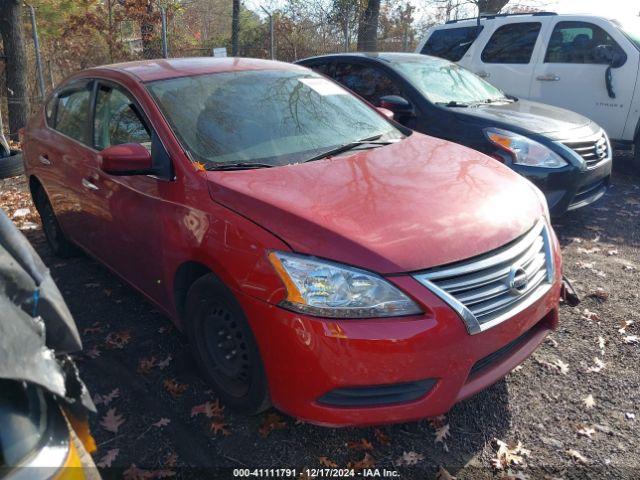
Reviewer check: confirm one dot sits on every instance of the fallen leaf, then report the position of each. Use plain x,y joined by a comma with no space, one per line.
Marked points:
163,422
601,345
209,409
174,388
93,352
111,421
631,339
443,474
367,462
172,460
442,433
600,294
118,339
409,458
95,328
599,365
508,455
624,325
164,363
576,455
325,462
585,431
146,364
589,315
630,415
106,399
361,445
612,252
108,459
272,421
587,251
381,437
589,401
219,427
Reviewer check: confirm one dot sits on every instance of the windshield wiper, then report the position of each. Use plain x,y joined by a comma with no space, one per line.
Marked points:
346,147
239,166
453,103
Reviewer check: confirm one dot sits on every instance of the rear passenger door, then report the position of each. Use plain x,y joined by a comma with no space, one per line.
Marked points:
571,74
507,60
69,154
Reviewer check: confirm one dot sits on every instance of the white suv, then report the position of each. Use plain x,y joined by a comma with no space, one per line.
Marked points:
580,62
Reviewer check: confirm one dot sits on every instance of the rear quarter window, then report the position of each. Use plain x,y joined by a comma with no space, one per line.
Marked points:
512,43
451,43
577,42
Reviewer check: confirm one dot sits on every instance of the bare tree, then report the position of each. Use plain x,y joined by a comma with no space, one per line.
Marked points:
490,6
368,27
235,27
15,64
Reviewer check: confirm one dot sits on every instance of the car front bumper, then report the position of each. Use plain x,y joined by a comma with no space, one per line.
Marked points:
569,188
306,358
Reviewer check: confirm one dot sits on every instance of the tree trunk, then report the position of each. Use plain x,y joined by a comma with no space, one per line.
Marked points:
147,29
368,27
235,28
490,6
15,64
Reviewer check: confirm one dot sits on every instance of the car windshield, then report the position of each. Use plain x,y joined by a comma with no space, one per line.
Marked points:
445,82
631,28
265,117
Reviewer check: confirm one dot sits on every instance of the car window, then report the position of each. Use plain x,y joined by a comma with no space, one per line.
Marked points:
451,43
323,68
512,43
49,109
117,120
72,114
576,42
369,82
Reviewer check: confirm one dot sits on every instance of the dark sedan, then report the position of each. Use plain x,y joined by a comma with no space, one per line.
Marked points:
565,154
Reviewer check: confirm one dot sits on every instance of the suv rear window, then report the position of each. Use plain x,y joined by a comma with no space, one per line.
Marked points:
512,43
451,43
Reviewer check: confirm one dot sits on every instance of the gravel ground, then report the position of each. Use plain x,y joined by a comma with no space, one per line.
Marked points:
570,411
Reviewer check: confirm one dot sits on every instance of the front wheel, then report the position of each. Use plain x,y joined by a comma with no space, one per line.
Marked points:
224,346
636,157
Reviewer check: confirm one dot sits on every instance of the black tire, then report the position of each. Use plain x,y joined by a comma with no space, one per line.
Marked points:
224,346
636,157
56,239
11,166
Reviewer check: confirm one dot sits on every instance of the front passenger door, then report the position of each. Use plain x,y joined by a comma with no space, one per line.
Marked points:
371,83
132,233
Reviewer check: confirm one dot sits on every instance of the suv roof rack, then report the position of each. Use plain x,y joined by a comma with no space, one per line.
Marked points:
491,16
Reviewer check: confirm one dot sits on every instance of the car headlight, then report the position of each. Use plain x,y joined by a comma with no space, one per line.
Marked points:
524,150
327,289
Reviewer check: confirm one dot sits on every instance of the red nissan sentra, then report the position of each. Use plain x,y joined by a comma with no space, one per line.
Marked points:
319,257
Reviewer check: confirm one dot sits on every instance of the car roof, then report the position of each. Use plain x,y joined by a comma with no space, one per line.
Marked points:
160,69
386,57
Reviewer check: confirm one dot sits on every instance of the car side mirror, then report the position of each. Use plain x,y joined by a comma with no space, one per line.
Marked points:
127,159
386,112
397,104
611,56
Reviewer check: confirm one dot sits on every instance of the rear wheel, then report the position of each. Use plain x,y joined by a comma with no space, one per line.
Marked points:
224,346
56,238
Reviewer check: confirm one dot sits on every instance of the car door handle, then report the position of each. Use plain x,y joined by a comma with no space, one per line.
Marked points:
552,77
44,160
483,74
88,185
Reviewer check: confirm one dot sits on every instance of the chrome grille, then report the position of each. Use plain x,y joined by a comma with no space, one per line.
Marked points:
593,151
490,289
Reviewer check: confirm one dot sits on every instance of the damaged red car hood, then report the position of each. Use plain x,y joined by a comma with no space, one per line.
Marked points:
404,207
